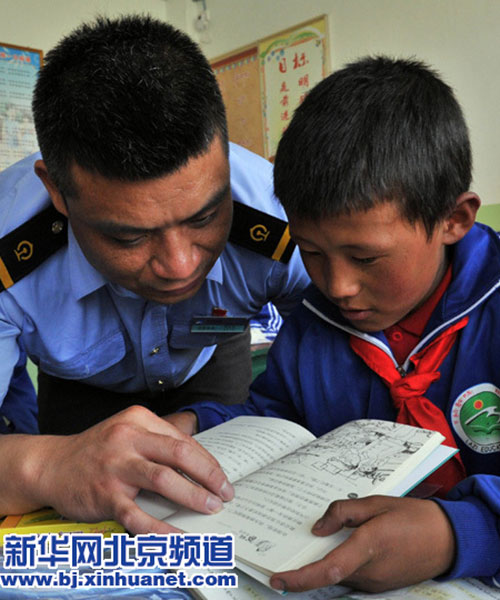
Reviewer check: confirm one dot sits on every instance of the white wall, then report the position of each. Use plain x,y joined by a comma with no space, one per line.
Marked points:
41,23
460,38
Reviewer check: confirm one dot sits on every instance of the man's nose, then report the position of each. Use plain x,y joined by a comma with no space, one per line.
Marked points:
175,257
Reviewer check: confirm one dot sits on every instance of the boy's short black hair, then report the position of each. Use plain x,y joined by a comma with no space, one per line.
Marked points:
379,129
130,98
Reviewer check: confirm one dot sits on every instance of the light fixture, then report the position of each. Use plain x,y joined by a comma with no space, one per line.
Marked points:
202,23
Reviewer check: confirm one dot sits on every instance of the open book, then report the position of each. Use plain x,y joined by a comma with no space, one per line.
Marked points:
285,478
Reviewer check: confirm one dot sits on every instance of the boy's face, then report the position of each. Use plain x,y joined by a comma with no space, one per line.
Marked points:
374,265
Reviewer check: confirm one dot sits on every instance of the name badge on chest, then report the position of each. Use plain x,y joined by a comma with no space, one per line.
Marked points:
218,322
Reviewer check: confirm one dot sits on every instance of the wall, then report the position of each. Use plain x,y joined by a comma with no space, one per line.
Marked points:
460,38
41,23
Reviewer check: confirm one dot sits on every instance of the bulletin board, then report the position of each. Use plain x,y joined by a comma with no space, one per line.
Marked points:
19,68
263,83
239,81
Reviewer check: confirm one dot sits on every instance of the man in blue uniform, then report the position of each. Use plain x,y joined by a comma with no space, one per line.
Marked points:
135,248
401,323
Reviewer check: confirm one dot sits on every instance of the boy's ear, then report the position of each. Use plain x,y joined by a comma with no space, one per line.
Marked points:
50,186
462,217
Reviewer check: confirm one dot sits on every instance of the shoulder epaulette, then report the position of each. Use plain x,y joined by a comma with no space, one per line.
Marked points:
25,248
260,232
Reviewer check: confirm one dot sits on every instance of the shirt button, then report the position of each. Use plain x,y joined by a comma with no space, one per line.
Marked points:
155,350
160,382
397,336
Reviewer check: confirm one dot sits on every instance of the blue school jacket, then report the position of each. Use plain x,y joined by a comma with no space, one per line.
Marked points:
315,379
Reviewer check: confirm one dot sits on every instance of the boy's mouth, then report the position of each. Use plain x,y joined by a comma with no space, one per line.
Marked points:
356,314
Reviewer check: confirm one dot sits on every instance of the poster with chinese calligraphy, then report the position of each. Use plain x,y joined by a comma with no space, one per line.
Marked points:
19,67
238,77
291,64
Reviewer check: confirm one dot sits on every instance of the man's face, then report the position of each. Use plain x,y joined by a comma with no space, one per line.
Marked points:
158,238
374,265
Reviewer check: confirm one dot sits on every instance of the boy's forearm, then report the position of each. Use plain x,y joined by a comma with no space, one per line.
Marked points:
473,508
185,421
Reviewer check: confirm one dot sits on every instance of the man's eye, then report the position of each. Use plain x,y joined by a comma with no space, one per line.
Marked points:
309,252
204,220
128,241
365,261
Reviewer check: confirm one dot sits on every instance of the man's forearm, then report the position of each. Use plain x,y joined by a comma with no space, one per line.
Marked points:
22,472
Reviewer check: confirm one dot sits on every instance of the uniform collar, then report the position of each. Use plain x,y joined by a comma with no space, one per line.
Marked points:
85,279
476,271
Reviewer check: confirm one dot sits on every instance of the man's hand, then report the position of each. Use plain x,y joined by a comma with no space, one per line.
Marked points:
397,542
97,474
186,421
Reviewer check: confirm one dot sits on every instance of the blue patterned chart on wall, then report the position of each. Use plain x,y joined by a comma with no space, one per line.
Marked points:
19,68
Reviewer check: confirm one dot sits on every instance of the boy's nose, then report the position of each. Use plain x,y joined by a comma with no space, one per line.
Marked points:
342,282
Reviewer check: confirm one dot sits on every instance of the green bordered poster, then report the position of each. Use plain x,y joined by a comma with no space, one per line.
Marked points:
291,64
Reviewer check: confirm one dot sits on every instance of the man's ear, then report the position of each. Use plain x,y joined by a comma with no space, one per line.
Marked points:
50,186
462,217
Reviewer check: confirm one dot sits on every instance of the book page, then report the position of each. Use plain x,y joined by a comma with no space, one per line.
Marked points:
245,444
241,445
274,509
438,457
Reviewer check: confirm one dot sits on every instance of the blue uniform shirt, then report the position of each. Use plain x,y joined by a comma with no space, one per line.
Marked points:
75,324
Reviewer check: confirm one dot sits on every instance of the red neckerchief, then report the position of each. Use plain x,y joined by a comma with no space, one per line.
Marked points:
408,392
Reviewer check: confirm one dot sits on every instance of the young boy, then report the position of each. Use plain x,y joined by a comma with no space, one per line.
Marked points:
401,324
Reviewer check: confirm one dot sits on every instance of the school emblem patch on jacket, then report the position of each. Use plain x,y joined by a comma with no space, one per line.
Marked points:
476,418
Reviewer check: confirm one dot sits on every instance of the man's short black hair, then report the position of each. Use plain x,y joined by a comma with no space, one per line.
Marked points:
379,129
130,98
